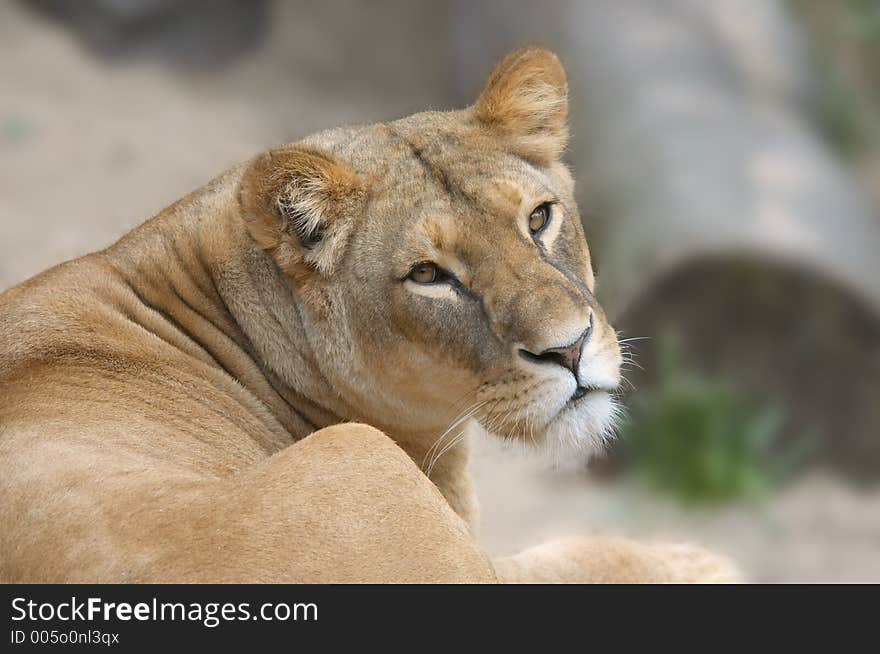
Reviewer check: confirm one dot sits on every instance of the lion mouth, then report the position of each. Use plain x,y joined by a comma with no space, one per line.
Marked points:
583,391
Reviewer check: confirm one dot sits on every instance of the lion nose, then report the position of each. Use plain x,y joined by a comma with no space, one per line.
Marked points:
568,356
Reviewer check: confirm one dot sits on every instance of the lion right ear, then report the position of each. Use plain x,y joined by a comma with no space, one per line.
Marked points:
298,204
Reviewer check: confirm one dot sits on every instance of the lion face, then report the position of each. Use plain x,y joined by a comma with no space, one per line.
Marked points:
444,256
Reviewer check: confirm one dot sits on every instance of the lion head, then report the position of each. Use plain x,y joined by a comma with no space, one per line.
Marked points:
441,264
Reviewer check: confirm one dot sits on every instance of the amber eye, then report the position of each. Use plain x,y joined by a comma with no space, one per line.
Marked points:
539,218
424,273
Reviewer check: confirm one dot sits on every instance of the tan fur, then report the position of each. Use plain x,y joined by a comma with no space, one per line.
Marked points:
187,404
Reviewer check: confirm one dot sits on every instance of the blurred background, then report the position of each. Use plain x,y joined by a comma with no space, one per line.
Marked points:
728,161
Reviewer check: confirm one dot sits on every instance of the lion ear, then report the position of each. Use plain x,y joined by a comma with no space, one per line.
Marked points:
298,204
526,98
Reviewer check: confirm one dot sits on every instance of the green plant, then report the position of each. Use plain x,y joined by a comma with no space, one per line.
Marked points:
705,440
845,44
840,115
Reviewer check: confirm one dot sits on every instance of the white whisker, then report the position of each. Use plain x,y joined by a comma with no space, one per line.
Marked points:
463,417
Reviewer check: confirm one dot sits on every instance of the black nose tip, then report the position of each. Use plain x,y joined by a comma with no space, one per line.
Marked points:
568,356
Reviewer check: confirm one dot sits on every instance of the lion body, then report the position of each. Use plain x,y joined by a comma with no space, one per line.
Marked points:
182,406
140,447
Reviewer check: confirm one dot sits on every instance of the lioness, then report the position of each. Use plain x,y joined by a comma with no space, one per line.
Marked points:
252,385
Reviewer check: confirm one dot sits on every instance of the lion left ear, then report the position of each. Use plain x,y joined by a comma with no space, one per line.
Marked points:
526,98
299,204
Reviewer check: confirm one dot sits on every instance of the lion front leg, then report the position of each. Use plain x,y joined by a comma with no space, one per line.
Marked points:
346,505
615,560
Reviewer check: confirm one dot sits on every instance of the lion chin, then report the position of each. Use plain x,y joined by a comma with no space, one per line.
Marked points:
583,428
575,431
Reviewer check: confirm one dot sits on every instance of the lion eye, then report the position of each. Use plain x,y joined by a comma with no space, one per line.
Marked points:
424,273
539,217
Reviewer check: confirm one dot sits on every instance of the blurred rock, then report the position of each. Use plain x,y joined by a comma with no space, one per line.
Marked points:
191,33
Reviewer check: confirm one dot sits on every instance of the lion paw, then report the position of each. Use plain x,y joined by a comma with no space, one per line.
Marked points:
688,563
616,560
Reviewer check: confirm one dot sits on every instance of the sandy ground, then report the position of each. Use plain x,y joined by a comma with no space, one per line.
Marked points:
819,529
88,151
